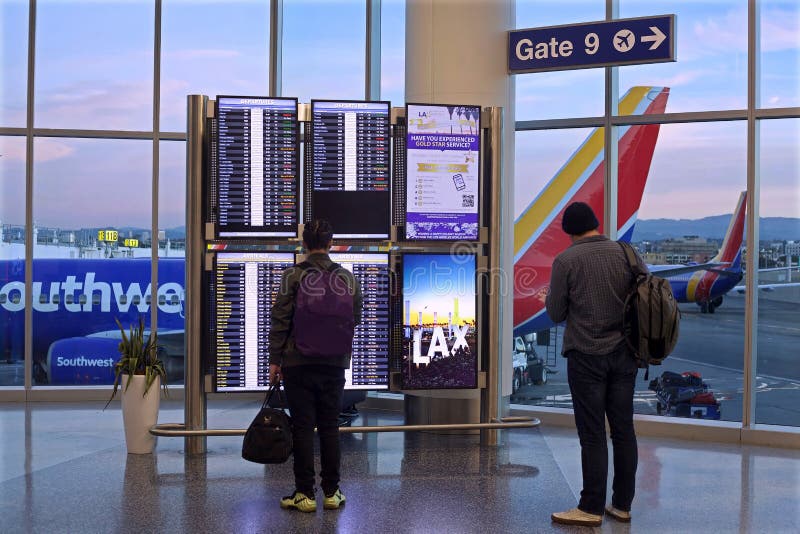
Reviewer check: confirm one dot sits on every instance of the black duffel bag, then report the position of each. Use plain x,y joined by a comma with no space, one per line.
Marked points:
269,437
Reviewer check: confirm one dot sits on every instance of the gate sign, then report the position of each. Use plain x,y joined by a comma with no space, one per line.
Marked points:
592,44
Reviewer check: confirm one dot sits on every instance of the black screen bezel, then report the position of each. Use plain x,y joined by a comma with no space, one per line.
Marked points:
401,285
479,191
310,146
298,176
213,316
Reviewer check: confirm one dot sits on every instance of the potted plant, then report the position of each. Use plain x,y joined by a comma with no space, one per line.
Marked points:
141,373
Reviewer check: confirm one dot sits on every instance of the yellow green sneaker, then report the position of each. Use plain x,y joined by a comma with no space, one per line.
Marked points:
299,501
333,501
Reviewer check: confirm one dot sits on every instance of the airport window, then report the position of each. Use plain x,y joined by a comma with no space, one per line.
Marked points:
323,49
393,52
547,162
88,196
780,53
171,252
235,61
12,255
778,332
94,65
14,44
558,95
711,71
693,205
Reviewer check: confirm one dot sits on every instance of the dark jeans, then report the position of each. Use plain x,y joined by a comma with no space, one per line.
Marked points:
314,394
603,386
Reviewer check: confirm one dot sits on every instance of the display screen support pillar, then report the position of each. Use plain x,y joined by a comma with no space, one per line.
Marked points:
195,401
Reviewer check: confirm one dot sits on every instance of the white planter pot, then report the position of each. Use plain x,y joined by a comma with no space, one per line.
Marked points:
139,413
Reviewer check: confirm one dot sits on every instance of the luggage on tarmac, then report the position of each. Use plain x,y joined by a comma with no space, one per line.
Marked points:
684,395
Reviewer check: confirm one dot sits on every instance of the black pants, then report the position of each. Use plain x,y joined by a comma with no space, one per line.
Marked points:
603,386
314,393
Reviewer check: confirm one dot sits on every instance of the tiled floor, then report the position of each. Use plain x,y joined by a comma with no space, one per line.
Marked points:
64,468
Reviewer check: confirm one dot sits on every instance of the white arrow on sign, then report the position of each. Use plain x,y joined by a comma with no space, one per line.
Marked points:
657,38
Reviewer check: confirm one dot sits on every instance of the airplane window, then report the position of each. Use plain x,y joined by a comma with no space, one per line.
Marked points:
96,298
56,299
123,299
16,298
147,300
174,300
82,299
162,300
69,299
42,298
136,300
3,298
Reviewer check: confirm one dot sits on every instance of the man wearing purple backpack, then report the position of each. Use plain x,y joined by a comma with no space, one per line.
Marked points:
316,311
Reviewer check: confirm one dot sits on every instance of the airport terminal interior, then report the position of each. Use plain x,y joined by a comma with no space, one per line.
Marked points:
158,159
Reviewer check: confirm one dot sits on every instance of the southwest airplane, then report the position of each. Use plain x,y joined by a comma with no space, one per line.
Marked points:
75,302
707,285
538,237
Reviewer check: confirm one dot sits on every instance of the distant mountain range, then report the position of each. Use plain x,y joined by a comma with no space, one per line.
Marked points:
714,227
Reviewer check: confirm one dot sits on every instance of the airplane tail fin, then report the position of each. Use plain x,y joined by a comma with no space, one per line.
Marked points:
731,250
538,237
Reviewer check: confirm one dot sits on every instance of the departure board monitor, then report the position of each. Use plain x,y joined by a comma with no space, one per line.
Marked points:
369,367
350,159
439,321
258,177
245,288
443,162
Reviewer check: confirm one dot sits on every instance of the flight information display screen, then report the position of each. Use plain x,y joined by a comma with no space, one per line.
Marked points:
369,367
258,177
350,144
439,321
443,163
246,285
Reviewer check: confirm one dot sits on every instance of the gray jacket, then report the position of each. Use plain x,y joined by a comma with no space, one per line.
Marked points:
588,286
282,350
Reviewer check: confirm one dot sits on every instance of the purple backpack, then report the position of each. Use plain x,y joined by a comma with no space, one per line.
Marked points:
323,313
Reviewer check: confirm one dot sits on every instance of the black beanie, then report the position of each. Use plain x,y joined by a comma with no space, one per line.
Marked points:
578,219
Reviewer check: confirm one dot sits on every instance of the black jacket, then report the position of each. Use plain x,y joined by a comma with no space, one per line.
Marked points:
282,350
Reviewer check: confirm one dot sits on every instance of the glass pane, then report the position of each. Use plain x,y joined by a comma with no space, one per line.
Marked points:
94,65
552,167
323,49
234,62
393,52
780,53
90,196
12,261
171,254
14,57
562,94
692,212
711,68
778,375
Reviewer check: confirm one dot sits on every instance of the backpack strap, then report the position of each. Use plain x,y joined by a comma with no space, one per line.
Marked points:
630,256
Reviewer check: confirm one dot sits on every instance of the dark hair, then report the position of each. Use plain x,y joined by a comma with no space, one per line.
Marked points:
317,234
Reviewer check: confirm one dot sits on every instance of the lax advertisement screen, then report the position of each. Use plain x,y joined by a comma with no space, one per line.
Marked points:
439,321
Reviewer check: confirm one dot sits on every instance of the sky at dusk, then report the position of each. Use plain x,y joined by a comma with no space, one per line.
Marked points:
94,70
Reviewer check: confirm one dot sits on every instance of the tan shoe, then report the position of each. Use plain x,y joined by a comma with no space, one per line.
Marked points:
619,515
577,517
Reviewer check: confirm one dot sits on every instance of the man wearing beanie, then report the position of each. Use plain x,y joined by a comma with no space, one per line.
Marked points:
588,286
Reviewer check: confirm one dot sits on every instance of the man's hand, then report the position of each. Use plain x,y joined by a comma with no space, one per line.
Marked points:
274,373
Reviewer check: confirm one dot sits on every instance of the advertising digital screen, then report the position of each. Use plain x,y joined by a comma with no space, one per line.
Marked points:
246,285
350,147
369,366
439,321
443,164
258,175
